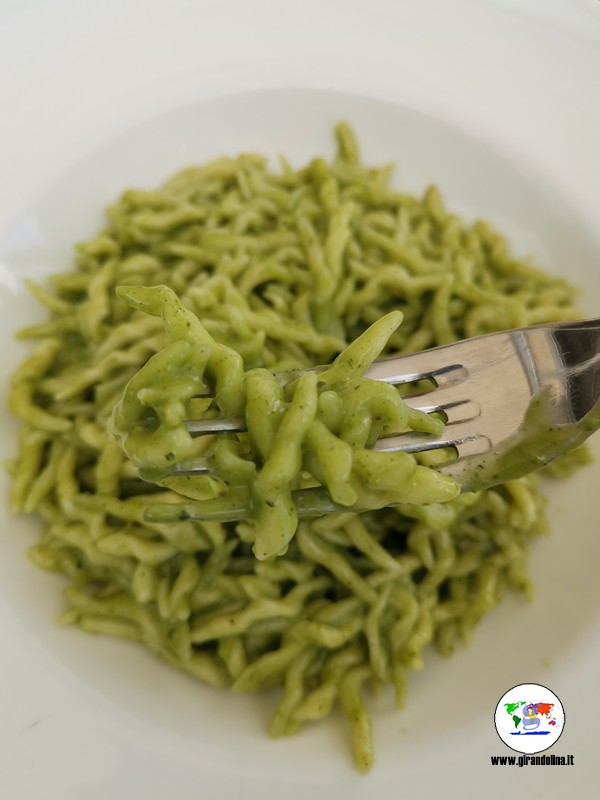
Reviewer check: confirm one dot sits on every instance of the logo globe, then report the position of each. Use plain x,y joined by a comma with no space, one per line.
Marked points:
529,718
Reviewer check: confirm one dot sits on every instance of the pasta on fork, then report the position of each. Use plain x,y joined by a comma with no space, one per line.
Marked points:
319,434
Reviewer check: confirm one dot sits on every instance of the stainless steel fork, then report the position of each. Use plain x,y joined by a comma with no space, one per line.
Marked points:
513,402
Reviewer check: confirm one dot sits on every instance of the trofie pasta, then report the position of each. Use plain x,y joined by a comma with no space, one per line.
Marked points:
255,271
320,433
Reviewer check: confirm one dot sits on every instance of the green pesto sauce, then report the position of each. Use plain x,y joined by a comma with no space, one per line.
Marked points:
537,442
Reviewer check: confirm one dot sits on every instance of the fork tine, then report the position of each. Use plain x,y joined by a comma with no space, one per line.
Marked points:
427,402
459,435
397,371
309,503
418,366
193,466
202,427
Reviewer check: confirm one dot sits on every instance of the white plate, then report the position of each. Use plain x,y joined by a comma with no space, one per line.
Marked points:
491,105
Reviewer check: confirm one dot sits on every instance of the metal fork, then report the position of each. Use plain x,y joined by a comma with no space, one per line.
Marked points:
513,402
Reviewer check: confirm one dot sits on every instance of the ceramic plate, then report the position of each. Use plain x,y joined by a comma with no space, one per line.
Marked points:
492,102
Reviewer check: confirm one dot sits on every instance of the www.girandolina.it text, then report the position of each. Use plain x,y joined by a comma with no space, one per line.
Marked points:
533,761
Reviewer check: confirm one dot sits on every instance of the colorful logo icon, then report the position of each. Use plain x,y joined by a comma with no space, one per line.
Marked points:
529,718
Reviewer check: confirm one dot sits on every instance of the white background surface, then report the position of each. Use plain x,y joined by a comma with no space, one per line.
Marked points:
83,719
